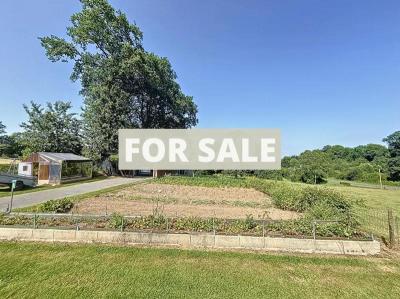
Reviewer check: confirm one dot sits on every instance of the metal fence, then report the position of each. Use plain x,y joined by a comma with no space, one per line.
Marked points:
158,222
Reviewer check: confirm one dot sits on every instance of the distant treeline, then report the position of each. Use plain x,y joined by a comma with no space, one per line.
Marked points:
365,163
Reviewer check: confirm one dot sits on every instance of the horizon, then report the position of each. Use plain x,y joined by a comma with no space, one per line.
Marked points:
324,73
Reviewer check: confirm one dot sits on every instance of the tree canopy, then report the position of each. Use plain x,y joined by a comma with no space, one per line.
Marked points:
2,128
51,129
123,85
393,142
361,163
2,138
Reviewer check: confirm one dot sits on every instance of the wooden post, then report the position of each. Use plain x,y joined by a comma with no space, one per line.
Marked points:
380,178
396,219
391,228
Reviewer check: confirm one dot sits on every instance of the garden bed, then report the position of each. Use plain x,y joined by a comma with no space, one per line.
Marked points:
161,223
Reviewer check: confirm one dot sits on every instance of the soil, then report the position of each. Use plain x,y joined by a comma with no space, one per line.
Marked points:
178,200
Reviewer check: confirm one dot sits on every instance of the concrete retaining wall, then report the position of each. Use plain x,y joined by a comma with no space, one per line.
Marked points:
194,240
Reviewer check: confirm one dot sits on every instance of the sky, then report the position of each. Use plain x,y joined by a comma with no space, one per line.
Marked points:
324,72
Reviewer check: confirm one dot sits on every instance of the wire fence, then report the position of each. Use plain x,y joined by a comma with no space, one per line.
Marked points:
382,223
159,223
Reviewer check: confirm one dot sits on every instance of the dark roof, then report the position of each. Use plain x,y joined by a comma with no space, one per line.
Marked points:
62,157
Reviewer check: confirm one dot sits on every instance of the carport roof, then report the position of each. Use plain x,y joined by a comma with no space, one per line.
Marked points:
62,157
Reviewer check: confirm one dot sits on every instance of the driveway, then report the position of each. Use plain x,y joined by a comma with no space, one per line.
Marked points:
30,199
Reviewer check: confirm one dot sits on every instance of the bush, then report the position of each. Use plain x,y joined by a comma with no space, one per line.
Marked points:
57,206
269,174
117,221
311,196
4,167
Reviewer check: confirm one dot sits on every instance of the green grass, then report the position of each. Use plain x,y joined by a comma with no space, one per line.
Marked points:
386,184
98,271
374,198
5,190
373,215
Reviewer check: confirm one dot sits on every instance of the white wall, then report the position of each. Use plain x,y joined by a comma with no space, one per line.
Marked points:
25,165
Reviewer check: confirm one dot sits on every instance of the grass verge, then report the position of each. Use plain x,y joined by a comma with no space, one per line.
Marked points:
80,197
5,190
82,271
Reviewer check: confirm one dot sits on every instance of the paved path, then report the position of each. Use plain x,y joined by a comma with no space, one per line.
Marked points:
33,198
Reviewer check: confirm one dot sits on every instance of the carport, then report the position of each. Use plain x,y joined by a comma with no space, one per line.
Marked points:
56,168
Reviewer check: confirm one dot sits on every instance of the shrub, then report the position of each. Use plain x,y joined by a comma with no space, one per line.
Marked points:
117,221
56,205
311,196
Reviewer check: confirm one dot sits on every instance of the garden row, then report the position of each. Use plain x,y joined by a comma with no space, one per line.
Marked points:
160,223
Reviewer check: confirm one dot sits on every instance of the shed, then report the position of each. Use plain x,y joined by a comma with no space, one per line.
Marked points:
56,168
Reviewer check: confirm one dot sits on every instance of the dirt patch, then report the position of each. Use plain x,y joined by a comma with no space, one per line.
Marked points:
194,193
177,200
138,207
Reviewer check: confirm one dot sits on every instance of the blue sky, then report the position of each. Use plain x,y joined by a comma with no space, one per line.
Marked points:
324,72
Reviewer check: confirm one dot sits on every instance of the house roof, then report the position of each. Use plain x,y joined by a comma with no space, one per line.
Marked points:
62,157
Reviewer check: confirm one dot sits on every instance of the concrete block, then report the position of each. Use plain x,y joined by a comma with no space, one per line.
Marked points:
194,240
8,233
251,242
289,244
178,239
45,235
157,238
64,236
86,236
110,237
133,238
361,247
202,240
329,246
222,241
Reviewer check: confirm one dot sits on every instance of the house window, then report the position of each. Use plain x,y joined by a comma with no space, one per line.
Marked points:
24,168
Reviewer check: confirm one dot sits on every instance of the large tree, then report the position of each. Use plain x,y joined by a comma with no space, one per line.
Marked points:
51,129
3,144
123,85
393,142
2,128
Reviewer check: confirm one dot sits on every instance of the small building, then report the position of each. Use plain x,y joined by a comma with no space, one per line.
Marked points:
56,168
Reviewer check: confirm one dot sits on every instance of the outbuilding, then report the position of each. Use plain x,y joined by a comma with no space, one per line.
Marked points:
56,168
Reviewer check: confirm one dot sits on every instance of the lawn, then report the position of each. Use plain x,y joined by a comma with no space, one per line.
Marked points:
374,198
373,215
70,271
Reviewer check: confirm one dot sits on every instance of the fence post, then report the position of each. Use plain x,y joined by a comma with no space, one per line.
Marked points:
263,227
391,228
314,229
77,223
397,230
213,224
